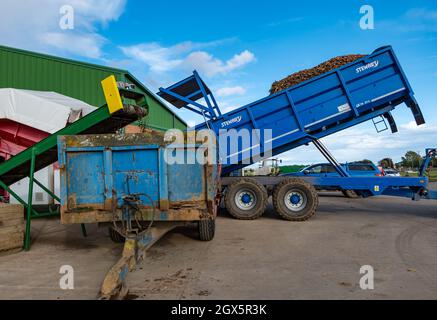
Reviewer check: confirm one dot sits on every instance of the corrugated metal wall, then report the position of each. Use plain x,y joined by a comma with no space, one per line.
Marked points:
27,70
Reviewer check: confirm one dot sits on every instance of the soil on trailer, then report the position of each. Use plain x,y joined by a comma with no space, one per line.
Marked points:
308,74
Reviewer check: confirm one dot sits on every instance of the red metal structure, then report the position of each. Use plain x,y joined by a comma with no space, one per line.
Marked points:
14,138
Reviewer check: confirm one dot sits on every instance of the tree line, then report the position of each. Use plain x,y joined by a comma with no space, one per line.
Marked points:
411,160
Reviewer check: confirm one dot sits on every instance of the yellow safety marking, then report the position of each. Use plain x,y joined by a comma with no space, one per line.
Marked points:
112,95
376,188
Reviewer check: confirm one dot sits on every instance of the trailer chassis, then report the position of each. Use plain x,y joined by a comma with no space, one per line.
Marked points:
299,200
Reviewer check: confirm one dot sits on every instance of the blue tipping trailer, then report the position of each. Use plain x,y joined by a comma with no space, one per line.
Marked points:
125,180
367,89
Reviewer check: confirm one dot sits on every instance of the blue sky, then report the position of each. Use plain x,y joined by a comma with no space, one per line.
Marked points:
241,47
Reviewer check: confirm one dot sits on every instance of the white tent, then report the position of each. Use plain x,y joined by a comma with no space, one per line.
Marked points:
46,111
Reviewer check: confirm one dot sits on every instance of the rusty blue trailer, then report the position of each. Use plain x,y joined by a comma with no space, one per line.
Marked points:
125,179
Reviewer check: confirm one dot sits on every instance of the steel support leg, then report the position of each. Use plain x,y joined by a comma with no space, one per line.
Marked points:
29,201
83,230
325,152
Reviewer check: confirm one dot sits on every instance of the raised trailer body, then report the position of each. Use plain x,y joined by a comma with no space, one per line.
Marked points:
363,90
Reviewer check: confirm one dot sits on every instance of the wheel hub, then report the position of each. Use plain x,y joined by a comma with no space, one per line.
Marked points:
245,199
295,200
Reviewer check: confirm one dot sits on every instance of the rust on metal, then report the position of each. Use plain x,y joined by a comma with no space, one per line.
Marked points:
124,139
197,203
95,216
115,140
164,204
114,285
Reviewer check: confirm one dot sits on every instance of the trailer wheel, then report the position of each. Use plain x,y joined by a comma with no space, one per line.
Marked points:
246,199
115,236
295,199
206,229
350,194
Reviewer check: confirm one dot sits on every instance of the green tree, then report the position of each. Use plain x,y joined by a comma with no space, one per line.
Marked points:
291,168
386,163
411,160
365,161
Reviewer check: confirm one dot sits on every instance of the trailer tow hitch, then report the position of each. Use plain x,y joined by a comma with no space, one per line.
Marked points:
114,285
137,241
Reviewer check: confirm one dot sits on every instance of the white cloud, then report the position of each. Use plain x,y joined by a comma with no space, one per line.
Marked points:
226,106
159,59
88,45
186,56
34,25
101,11
211,66
230,91
240,60
412,126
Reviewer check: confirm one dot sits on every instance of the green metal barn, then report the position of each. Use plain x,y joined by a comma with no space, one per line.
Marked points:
21,69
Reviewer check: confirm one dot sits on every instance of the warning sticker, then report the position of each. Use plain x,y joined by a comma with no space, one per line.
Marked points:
344,107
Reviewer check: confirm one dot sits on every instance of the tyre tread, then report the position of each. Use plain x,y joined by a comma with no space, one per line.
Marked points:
277,204
206,229
229,200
